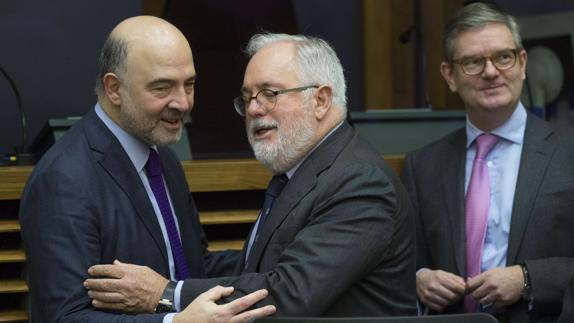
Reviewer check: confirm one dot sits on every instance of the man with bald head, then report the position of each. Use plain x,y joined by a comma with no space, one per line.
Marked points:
336,234
110,190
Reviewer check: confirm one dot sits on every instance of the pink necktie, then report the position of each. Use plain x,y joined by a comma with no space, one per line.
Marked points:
477,205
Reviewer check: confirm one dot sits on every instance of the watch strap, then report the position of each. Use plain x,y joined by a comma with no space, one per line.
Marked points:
165,303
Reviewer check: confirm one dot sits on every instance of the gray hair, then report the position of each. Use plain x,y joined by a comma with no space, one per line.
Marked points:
112,59
473,16
316,62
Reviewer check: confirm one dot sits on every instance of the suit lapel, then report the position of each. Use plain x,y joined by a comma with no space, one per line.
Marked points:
537,152
114,160
453,186
302,182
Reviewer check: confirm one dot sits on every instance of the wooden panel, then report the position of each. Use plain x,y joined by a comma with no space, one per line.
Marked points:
202,176
13,286
224,245
377,65
228,217
10,256
396,162
389,65
226,175
402,54
439,93
9,226
13,316
12,181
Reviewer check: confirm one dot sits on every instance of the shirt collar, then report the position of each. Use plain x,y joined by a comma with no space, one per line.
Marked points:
293,169
137,151
511,130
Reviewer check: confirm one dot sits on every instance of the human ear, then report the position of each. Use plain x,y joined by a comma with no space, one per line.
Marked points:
323,100
522,58
112,88
447,72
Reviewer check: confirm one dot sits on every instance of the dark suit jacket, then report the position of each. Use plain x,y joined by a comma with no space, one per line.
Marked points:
567,315
541,222
85,204
339,240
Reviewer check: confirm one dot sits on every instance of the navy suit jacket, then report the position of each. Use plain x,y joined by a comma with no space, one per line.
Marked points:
339,240
542,222
85,204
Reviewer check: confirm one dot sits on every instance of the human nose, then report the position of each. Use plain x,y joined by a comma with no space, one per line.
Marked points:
489,68
181,99
253,108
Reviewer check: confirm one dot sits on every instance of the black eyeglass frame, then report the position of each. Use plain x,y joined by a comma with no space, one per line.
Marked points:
241,103
515,51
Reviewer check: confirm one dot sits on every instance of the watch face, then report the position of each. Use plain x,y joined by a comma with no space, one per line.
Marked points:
163,308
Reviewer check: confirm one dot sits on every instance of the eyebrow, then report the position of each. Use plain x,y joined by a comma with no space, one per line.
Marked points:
264,85
494,53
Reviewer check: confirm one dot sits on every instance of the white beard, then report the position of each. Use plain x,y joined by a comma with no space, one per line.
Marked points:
294,140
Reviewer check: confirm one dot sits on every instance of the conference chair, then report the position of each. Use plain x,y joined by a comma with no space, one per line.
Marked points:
454,318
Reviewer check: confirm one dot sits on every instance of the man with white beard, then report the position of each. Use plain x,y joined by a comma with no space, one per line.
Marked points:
336,234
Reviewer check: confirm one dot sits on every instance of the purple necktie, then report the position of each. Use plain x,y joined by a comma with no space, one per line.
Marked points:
154,175
477,205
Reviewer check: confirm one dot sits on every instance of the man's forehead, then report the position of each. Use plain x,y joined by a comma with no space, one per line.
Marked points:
273,64
484,39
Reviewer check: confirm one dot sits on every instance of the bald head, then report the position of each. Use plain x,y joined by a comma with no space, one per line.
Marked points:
147,79
136,37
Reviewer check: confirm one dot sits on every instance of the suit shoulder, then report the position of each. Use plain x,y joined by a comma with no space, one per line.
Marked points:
438,147
69,155
360,160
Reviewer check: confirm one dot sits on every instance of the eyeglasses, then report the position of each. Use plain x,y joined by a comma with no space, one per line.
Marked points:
265,98
502,60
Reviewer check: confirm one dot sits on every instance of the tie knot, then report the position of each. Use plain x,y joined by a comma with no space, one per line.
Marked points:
484,144
276,185
153,165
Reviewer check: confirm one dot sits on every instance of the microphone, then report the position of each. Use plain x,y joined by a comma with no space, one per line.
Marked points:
23,157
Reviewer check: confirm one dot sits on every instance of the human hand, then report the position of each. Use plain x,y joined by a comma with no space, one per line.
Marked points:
497,287
204,310
437,289
125,287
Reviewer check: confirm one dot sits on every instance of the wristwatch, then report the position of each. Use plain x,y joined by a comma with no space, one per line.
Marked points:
526,293
165,304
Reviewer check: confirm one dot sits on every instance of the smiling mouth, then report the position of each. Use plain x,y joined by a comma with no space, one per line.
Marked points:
172,123
262,131
493,87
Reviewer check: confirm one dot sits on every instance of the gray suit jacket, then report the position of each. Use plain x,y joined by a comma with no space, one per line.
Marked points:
84,204
339,240
542,223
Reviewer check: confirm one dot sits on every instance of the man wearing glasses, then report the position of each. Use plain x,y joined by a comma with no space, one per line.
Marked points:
336,234
493,200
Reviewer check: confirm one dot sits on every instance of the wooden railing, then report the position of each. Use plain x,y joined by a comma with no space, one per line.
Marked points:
227,193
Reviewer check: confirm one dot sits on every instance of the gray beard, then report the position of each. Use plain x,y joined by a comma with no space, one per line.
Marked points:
293,143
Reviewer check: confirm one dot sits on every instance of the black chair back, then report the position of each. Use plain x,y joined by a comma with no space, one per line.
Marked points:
454,318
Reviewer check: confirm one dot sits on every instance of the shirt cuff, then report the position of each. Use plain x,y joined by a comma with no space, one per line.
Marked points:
421,309
168,318
177,297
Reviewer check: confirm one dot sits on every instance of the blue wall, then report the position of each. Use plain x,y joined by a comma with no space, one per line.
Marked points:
50,49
